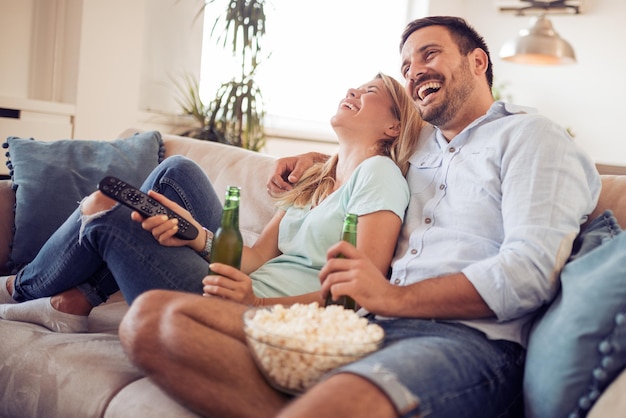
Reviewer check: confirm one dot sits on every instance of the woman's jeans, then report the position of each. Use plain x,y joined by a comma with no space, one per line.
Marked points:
108,251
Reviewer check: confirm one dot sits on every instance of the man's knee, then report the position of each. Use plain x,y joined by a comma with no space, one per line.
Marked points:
140,331
342,395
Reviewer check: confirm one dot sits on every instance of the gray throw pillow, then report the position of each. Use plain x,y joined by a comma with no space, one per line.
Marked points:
50,178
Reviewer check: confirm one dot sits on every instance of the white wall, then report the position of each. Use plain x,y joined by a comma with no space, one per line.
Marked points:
15,41
129,48
109,67
587,96
112,60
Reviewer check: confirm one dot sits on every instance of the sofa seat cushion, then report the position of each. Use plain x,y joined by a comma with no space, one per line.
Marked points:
59,375
125,403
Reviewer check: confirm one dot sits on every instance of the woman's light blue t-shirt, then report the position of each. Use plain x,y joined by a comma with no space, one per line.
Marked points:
305,234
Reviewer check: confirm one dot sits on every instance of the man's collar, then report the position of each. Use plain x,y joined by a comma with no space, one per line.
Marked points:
509,108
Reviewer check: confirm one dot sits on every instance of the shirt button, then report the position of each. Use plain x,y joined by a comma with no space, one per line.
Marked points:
442,186
413,251
452,149
397,281
427,220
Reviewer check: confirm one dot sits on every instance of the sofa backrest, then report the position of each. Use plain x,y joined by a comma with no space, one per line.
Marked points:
7,203
226,165
231,166
613,196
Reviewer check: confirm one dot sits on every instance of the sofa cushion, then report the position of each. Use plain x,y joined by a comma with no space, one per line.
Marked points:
161,405
55,375
50,178
7,203
579,345
227,165
612,197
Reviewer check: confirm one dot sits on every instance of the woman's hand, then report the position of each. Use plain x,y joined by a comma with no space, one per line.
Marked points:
163,228
229,283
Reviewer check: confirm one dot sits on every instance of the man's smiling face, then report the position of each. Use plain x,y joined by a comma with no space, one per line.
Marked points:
437,76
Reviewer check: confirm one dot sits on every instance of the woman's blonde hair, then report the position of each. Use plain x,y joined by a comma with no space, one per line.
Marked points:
318,181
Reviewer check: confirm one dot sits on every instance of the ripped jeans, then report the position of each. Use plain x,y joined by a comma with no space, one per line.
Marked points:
106,252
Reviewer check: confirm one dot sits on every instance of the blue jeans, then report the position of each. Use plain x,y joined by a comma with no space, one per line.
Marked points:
109,252
444,369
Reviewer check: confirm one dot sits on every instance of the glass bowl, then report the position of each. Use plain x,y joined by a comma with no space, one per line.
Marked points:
295,349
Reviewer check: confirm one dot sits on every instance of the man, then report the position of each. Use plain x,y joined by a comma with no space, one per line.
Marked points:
498,196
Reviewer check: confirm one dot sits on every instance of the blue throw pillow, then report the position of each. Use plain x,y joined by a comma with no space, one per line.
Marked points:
50,178
578,346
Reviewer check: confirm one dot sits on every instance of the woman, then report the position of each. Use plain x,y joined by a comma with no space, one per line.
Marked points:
100,249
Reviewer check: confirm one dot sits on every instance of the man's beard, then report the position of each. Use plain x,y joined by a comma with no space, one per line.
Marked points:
443,113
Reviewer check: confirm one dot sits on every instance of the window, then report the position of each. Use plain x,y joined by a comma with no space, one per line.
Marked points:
318,50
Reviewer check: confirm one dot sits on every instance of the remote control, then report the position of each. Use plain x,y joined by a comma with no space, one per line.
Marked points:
144,204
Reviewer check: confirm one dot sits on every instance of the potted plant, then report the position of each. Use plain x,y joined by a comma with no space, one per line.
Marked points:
235,115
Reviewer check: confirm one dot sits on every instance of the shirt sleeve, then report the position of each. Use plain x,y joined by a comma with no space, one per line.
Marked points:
377,184
548,185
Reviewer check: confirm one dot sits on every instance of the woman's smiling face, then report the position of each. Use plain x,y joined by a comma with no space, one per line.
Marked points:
367,108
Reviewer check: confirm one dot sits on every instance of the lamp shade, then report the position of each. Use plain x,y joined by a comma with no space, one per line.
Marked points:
540,44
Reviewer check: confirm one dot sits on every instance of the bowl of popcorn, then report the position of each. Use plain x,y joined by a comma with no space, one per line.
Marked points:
294,346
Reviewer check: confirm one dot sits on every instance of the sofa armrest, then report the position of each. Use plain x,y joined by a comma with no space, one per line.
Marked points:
7,203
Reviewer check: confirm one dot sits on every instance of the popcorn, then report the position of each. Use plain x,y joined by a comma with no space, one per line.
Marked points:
295,346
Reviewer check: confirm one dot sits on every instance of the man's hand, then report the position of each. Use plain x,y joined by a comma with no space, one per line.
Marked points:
451,296
356,276
288,171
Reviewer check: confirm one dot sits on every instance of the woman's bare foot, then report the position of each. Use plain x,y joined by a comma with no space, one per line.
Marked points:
72,302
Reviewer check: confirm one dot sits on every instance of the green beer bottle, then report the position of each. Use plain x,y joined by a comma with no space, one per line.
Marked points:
227,244
348,234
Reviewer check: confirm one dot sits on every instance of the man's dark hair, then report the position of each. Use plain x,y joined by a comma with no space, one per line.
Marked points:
465,36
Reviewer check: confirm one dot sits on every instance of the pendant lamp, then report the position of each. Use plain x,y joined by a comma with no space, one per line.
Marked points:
538,45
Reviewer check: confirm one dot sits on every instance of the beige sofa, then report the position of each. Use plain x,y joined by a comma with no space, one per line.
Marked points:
43,374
